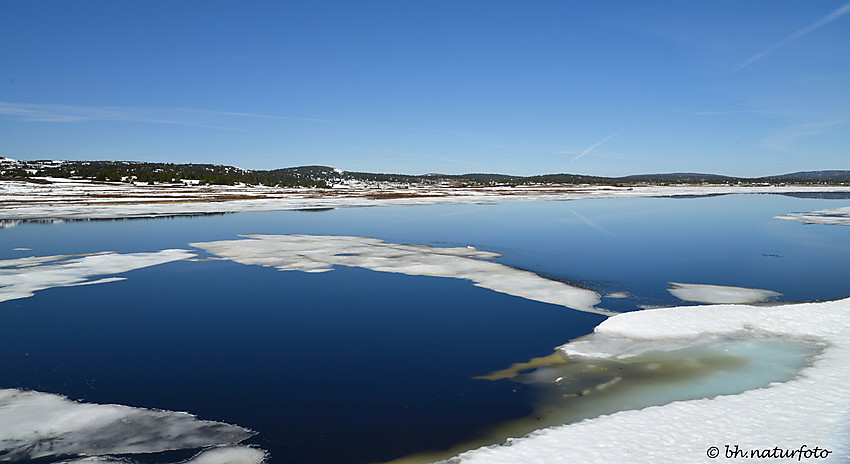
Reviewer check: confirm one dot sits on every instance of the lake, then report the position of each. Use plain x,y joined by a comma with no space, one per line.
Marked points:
357,365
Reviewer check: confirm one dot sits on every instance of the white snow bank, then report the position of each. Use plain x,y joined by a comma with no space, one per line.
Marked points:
19,278
319,253
836,216
812,409
26,201
719,294
35,424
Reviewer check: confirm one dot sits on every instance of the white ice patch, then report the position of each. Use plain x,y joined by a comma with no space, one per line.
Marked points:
719,294
812,409
319,253
35,425
229,455
19,278
622,348
219,455
836,216
90,459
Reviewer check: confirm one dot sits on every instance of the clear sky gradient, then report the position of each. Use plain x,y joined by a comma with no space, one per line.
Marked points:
745,88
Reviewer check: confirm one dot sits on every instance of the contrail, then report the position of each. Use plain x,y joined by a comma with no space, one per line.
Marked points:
592,224
841,11
590,148
41,112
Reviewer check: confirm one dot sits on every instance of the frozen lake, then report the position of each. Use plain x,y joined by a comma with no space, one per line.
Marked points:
372,362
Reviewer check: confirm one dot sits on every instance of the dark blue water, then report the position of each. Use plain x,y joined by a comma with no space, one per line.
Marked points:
350,366
360,366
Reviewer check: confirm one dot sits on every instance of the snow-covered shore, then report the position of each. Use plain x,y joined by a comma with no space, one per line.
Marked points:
812,410
62,199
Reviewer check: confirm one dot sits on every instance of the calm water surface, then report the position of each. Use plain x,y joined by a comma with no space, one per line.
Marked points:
359,366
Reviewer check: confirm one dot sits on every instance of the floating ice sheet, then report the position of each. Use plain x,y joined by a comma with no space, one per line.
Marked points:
229,455
812,409
836,216
319,253
35,425
19,278
719,294
218,455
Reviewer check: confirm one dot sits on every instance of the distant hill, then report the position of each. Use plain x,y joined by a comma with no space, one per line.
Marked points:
326,176
836,176
686,177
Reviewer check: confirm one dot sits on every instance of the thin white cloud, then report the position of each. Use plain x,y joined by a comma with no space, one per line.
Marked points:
841,11
726,113
593,147
38,112
60,113
250,115
786,139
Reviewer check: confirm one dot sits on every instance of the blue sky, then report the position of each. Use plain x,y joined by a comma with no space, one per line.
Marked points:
745,88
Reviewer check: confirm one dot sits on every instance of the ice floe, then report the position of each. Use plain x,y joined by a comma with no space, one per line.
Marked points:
19,278
219,455
617,295
35,425
719,294
320,253
229,455
835,216
812,409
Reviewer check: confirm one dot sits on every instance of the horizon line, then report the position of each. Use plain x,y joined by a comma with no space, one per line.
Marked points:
436,174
